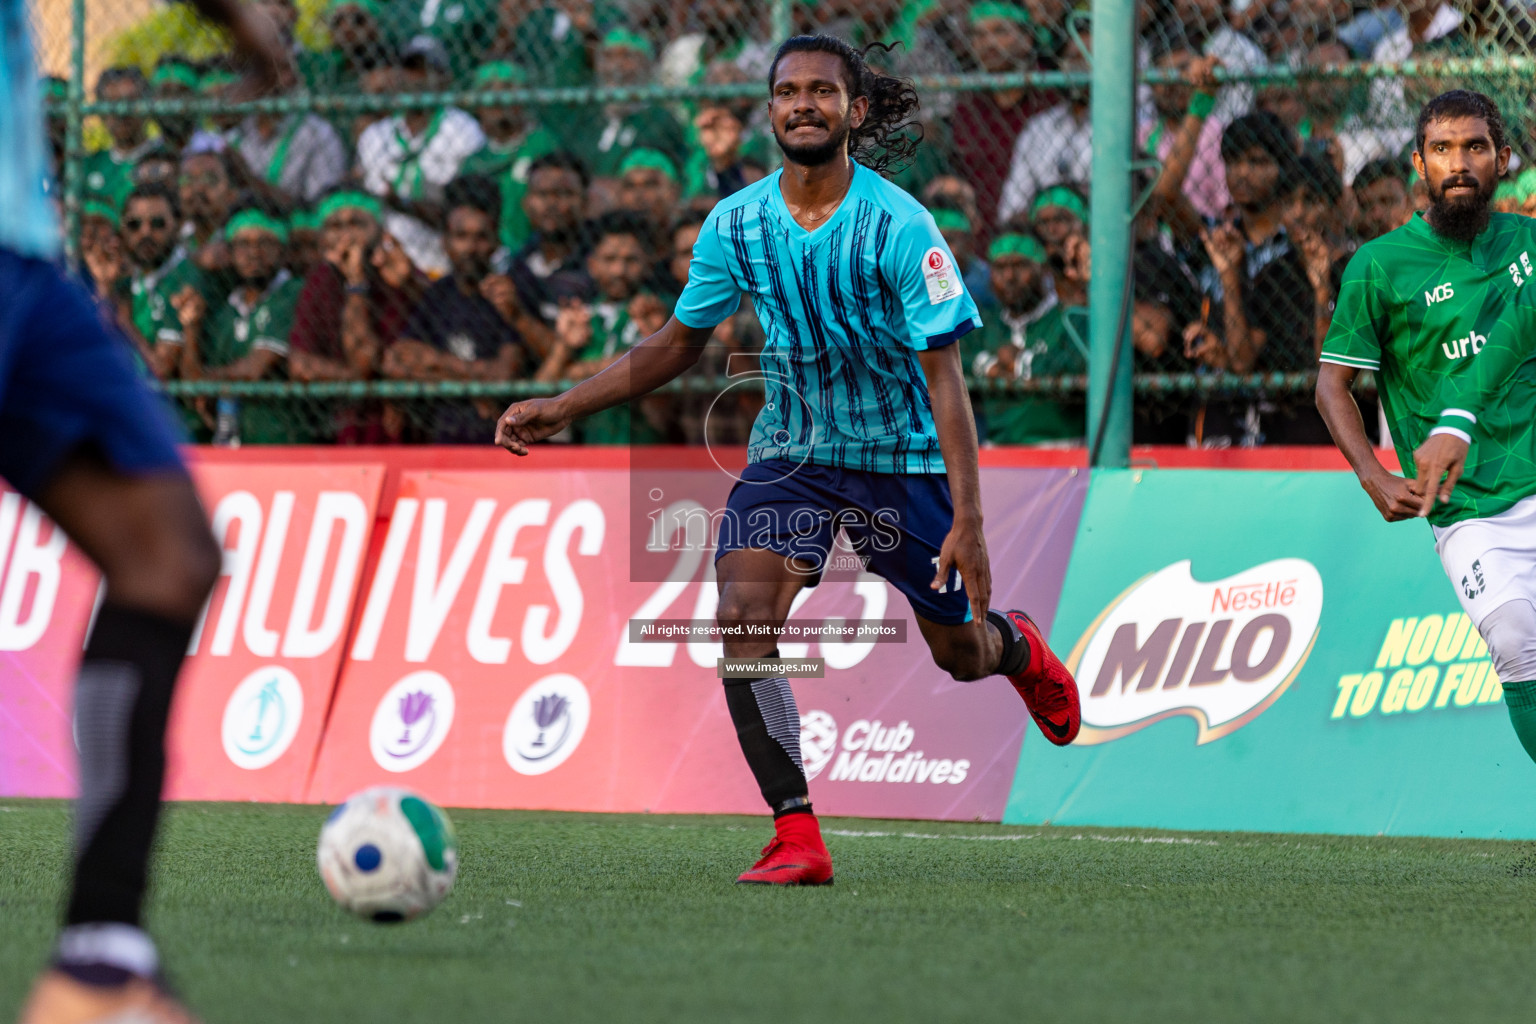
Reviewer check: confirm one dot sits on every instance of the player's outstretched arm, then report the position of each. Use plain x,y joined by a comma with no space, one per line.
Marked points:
965,548
643,369
1395,498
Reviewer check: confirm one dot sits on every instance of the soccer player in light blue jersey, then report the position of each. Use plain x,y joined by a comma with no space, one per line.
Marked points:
867,427
83,437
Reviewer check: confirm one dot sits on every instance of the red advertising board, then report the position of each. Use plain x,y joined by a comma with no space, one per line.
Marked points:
252,700
491,663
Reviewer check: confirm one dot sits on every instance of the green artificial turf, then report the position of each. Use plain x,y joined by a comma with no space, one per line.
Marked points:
569,917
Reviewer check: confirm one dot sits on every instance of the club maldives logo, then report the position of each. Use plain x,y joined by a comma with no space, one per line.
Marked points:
546,724
262,717
871,751
411,721
1219,652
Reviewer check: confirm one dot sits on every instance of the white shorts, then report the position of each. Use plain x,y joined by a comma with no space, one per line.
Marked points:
1491,561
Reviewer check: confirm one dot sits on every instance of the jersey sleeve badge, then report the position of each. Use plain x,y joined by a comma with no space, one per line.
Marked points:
941,276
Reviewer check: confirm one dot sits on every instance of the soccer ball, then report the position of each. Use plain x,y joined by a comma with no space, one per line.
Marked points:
388,855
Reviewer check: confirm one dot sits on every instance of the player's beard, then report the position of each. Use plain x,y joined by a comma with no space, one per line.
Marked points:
1462,218
817,155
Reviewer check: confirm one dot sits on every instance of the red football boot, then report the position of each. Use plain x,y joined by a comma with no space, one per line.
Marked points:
794,856
1048,689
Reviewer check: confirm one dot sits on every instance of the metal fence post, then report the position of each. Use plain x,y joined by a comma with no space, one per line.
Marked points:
74,133
1109,292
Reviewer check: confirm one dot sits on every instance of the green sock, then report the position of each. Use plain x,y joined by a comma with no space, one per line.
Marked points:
1521,698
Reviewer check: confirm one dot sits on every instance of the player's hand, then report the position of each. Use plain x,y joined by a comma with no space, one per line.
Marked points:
526,422
965,549
1440,461
1395,498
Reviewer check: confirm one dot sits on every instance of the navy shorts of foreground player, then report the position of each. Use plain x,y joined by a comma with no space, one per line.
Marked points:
897,521
67,382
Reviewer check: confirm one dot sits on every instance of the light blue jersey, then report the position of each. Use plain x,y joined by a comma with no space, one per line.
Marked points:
846,307
28,224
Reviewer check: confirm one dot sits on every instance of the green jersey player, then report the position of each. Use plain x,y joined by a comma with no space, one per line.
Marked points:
1435,310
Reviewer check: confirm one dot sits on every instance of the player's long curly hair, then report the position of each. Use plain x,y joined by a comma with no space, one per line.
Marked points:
889,137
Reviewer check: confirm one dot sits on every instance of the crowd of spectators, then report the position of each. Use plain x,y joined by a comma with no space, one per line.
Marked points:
504,242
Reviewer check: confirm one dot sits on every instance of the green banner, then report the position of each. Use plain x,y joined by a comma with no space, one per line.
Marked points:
1261,651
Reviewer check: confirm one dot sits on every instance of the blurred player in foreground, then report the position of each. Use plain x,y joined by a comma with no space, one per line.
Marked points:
82,436
867,427
1442,311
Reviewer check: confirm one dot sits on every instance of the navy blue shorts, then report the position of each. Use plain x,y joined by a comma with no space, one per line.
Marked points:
895,522
67,381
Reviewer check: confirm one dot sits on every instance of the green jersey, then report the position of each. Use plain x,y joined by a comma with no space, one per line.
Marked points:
508,165
1419,310
109,176
238,328
153,315
1051,341
613,333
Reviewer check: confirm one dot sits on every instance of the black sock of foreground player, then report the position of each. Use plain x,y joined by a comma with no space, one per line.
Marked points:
1015,647
122,702
768,728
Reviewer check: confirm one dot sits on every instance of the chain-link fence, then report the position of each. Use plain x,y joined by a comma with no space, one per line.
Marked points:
465,201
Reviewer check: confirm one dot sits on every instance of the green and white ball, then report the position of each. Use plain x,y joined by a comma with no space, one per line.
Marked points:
388,855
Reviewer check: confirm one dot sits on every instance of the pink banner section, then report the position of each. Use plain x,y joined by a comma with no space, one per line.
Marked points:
465,631
492,663
252,700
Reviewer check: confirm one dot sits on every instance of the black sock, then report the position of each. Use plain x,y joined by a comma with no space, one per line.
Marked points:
768,728
1015,647
122,702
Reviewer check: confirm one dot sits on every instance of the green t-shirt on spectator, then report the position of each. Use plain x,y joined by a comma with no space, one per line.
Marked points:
153,315
603,147
612,334
508,167
110,178
238,328
1052,344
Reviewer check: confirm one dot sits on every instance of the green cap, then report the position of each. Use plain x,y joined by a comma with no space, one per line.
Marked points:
988,9
100,208
500,72
1522,188
248,220
53,88
373,8
1017,244
349,200
951,220
176,72
629,39
304,220
217,78
1060,196
647,158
